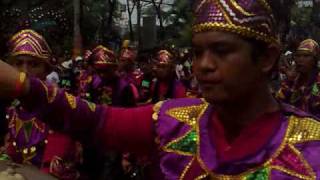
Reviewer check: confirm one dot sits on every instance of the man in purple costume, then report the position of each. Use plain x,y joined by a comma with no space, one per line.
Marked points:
238,131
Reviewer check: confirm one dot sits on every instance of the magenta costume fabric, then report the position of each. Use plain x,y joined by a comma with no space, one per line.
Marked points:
186,151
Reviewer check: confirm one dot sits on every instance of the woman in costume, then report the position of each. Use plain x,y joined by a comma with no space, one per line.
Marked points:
235,47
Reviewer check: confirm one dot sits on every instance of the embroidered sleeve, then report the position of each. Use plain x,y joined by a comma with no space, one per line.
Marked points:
62,110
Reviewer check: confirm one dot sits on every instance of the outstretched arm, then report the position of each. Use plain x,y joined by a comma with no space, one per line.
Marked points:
124,129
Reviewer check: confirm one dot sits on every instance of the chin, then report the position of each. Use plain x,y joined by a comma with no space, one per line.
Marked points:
215,99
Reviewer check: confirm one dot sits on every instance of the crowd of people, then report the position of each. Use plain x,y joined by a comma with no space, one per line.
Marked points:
235,106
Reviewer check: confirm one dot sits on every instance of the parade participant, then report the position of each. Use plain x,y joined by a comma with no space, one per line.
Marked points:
112,88
129,75
166,85
89,80
30,140
301,88
238,131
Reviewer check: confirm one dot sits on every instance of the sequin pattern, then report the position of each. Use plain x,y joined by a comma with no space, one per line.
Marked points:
188,115
303,129
251,19
286,159
71,100
185,145
260,174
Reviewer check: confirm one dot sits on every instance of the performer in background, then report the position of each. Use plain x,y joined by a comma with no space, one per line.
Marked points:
30,140
301,88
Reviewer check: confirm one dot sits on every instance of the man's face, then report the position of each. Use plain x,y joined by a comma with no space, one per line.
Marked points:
31,65
305,61
224,67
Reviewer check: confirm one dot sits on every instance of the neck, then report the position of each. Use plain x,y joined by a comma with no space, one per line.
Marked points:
237,115
305,78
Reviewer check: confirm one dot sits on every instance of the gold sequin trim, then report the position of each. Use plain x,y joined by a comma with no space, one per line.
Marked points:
176,151
186,169
71,100
304,161
91,106
292,173
303,129
239,8
203,176
189,114
241,30
286,141
51,96
225,15
22,77
265,4
156,110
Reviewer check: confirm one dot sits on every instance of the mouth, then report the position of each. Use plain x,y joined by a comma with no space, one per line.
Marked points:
208,85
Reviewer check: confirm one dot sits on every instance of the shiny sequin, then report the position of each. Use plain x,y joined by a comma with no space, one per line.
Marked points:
286,159
251,19
201,177
185,145
156,110
186,169
291,161
51,95
91,106
302,130
260,174
71,100
188,114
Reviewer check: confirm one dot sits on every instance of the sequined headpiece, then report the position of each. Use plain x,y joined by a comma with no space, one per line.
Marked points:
127,54
164,57
86,55
309,46
102,57
248,18
29,42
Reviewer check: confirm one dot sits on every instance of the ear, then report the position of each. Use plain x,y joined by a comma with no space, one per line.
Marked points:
269,58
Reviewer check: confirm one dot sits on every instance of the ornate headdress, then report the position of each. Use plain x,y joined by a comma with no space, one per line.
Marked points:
29,42
248,18
102,57
310,46
164,57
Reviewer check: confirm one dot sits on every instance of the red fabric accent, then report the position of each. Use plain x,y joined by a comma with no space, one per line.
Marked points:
58,145
129,129
163,89
251,139
194,171
180,91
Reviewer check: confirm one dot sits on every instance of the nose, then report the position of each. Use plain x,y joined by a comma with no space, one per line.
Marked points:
23,67
205,63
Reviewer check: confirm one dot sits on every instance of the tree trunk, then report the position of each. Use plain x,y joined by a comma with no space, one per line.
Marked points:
159,15
77,39
130,21
162,33
140,45
112,4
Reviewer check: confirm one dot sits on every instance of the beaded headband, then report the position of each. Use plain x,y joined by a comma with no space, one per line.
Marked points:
29,42
309,45
102,57
247,18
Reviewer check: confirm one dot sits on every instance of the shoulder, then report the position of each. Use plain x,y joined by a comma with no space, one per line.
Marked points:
176,103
